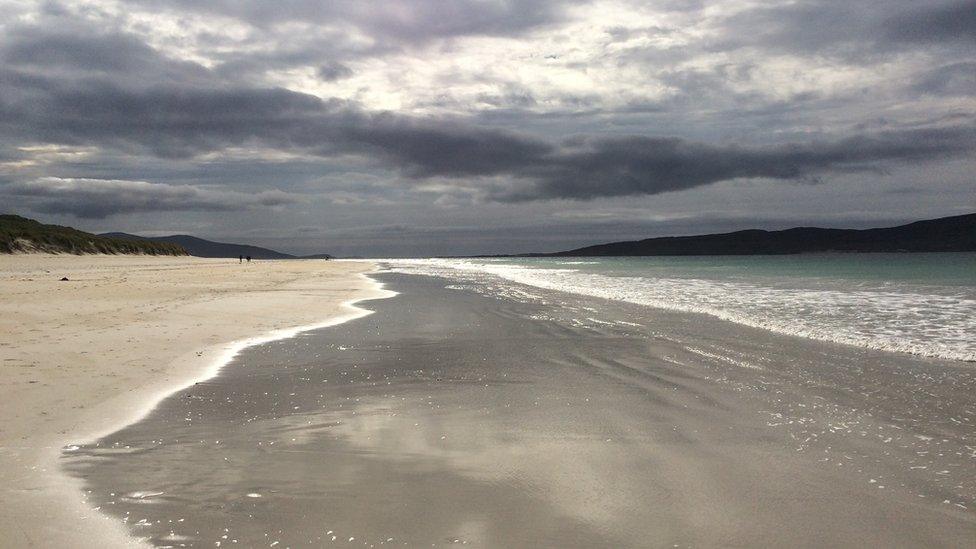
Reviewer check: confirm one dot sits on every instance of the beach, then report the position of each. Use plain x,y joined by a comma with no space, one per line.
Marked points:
487,274
483,413
176,402
86,356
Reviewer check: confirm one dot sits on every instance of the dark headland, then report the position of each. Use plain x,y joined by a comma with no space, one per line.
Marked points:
23,235
200,247
947,234
206,248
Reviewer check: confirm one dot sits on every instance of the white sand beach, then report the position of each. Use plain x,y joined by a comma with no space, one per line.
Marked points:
82,357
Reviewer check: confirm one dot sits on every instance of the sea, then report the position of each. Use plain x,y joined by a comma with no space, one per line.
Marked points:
922,304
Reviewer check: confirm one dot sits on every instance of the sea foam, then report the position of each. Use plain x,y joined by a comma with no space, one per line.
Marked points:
929,321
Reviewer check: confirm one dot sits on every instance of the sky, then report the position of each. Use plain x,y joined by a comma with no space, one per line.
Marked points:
453,127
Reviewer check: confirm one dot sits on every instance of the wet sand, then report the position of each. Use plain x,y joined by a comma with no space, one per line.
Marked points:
517,417
80,358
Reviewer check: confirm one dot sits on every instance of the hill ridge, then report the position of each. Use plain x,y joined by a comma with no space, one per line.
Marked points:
23,235
946,234
202,247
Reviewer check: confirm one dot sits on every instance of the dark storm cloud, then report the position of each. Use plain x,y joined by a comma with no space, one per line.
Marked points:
853,30
646,166
77,44
100,198
956,79
72,51
186,122
148,116
425,149
939,23
41,100
410,21
167,121
333,70
38,48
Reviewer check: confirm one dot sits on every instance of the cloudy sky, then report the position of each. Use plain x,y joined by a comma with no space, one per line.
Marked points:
422,127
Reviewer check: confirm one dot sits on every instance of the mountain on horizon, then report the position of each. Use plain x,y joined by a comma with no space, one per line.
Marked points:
947,234
200,247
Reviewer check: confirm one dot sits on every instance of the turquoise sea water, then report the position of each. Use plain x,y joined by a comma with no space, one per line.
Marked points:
923,304
935,269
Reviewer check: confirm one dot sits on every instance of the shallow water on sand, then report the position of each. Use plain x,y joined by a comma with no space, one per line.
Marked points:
920,304
460,414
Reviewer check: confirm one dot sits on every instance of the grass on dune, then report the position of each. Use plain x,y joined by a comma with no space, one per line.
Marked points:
21,235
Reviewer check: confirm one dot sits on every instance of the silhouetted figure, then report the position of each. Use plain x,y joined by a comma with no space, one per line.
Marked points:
241,258
248,259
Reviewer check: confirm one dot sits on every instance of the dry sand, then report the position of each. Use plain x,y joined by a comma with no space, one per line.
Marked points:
82,357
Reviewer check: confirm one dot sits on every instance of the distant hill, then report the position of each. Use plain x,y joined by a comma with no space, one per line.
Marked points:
948,234
22,235
206,248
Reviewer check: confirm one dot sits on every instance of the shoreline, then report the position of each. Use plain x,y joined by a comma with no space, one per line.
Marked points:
583,285
228,352
699,355
517,422
45,506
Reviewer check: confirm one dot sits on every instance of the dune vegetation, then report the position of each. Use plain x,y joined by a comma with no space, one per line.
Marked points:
22,235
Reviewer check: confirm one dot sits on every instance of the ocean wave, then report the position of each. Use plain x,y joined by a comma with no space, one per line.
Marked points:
889,318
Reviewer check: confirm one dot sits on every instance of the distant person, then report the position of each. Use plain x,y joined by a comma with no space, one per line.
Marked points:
248,259
241,258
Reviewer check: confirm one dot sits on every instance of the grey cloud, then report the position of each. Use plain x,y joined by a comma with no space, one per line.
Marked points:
156,118
812,26
956,79
510,96
859,31
324,52
647,166
182,123
623,34
102,53
425,148
939,23
67,46
100,198
407,21
74,50
713,87
332,71
168,121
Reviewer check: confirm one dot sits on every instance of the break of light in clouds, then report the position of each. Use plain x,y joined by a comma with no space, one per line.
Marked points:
476,126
